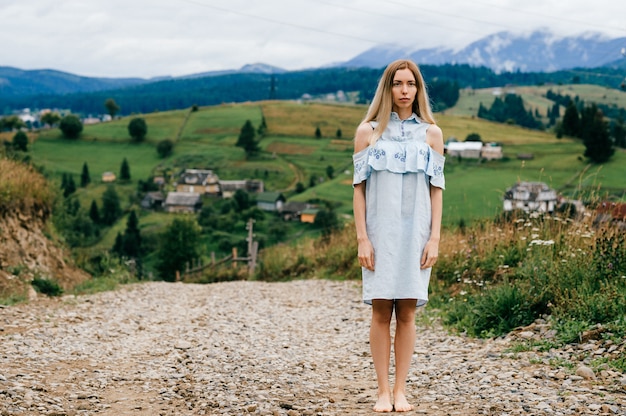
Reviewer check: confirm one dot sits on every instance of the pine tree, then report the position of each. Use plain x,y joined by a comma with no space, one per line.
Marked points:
94,213
246,139
111,209
131,241
70,186
571,121
64,181
125,171
179,247
85,179
596,136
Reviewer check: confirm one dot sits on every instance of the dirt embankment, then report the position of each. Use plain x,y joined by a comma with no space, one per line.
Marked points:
26,252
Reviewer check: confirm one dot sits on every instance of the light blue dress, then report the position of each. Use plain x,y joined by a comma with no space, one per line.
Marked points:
398,169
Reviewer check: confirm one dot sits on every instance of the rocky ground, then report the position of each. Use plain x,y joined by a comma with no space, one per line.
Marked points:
296,348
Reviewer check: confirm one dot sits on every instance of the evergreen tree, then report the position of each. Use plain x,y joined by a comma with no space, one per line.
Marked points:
330,172
179,247
125,171
111,209
597,138
247,140
131,241
318,133
70,186
64,181
94,213
118,244
20,141
85,179
338,134
619,132
571,121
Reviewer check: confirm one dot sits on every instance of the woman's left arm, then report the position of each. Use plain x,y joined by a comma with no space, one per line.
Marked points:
434,138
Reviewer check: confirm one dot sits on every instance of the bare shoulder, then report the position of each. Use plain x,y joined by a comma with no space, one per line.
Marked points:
362,137
434,138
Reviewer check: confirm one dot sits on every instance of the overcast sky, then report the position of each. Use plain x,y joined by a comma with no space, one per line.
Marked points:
147,38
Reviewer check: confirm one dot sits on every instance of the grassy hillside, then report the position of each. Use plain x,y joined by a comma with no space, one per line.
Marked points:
291,154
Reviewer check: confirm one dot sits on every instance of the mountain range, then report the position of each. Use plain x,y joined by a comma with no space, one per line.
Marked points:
539,51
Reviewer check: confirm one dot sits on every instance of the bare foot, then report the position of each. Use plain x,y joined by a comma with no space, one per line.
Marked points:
401,404
383,404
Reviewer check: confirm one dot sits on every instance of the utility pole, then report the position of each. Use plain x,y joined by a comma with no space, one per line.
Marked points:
253,247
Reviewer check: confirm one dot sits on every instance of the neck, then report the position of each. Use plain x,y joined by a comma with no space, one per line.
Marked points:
404,113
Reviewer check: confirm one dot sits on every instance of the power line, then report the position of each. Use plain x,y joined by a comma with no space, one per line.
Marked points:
280,22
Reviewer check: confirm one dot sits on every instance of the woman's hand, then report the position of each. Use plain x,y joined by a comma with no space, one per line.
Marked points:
430,254
366,254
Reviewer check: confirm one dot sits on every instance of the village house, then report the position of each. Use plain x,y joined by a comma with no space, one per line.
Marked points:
270,201
183,202
198,181
228,188
491,151
465,150
308,215
474,150
153,200
530,197
108,177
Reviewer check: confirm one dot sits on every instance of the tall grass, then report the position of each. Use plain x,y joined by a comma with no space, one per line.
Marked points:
24,190
500,275
331,257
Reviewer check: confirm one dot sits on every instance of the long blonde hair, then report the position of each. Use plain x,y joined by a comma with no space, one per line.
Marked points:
382,104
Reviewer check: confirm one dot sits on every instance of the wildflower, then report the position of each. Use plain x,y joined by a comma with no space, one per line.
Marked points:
542,242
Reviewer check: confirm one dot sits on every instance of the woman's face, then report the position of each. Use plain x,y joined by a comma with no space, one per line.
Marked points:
404,90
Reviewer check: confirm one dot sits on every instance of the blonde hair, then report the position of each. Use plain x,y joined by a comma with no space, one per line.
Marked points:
382,104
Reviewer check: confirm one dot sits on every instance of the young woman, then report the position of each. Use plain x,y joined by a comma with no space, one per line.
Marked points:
398,198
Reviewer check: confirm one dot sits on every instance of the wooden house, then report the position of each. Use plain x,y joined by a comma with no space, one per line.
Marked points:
270,201
108,177
308,215
189,202
530,197
198,181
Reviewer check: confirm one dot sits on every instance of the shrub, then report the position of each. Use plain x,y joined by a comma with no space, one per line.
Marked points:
137,129
71,126
47,286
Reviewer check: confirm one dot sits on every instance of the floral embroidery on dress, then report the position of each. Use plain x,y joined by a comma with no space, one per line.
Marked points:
437,170
377,153
358,166
401,156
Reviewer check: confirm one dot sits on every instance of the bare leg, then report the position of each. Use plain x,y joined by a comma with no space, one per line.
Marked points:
404,346
380,345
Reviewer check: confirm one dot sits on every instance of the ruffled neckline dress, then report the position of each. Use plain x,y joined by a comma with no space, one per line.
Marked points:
399,170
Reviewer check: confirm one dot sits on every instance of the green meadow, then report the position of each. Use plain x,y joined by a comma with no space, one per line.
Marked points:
292,154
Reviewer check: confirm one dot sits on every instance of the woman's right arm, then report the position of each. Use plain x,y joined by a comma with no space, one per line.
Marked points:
365,249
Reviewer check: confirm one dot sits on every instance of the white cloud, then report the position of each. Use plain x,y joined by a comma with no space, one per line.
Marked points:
177,37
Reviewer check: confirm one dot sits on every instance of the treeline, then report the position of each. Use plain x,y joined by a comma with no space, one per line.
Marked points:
509,110
212,90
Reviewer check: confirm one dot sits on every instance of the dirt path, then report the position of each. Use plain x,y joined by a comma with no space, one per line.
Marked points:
236,348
